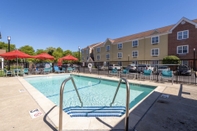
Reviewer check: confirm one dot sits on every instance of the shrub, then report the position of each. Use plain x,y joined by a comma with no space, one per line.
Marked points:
171,60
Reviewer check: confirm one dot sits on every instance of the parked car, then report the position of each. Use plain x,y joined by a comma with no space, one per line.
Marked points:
113,66
162,68
184,70
142,67
132,68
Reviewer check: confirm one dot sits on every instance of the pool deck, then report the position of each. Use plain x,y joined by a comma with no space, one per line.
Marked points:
176,110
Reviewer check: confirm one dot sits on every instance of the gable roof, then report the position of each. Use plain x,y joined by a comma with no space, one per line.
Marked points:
193,22
91,46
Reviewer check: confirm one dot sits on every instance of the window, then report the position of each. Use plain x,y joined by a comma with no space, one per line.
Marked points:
135,43
98,57
182,35
82,51
155,52
182,49
87,51
98,50
155,39
108,48
119,54
107,56
135,53
120,46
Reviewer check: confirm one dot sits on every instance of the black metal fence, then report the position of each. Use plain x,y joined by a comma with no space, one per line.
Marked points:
102,68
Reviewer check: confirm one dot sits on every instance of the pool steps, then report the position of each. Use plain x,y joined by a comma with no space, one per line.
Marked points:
95,111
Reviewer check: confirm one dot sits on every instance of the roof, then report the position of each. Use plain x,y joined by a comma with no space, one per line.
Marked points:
92,45
157,31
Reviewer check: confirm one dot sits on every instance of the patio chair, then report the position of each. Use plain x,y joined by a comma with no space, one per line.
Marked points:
6,73
21,72
47,70
26,71
114,72
69,69
146,73
57,70
125,72
166,75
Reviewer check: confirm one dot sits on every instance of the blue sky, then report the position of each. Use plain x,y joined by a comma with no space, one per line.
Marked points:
72,23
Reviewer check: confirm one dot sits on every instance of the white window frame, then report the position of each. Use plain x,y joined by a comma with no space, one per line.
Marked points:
107,56
185,62
181,35
182,46
108,48
133,43
135,51
154,42
118,46
154,52
119,56
98,49
97,57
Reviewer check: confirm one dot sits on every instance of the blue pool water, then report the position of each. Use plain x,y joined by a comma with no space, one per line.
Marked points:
93,91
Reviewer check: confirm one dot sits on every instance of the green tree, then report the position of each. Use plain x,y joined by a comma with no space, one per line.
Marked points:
171,60
58,53
4,46
76,54
50,50
67,52
39,51
27,49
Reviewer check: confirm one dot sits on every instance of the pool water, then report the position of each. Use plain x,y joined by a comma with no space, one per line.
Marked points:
93,91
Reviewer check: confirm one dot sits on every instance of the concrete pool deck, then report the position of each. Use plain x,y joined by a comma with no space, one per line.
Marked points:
177,112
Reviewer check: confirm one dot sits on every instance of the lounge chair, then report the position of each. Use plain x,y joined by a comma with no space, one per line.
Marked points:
146,73
125,72
166,75
57,70
114,72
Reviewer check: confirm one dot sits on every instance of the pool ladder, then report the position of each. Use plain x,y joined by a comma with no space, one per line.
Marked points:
120,81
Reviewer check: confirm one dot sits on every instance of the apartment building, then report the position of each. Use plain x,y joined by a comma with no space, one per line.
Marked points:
87,53
182,40
152,45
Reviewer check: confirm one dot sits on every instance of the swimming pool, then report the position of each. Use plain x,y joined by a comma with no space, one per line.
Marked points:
93,91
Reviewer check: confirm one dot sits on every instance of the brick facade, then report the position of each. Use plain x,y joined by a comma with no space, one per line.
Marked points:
191,41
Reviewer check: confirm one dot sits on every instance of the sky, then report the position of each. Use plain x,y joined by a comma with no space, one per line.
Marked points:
70,24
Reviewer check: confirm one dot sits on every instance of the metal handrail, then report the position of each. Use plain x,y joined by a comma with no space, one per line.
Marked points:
61,99
127,101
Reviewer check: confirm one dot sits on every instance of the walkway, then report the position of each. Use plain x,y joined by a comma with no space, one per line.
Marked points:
175,112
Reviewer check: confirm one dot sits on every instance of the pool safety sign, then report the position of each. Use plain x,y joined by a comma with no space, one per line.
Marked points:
35,113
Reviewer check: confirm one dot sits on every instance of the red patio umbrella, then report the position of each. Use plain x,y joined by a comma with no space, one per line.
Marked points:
15,54
44,56
68,57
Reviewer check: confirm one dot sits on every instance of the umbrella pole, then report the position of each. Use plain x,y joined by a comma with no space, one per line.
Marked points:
17,66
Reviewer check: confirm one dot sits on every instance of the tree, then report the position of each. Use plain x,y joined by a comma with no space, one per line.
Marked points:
39,51
50,50
67,52
171,60
27,49
4,46
76,54
58,53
